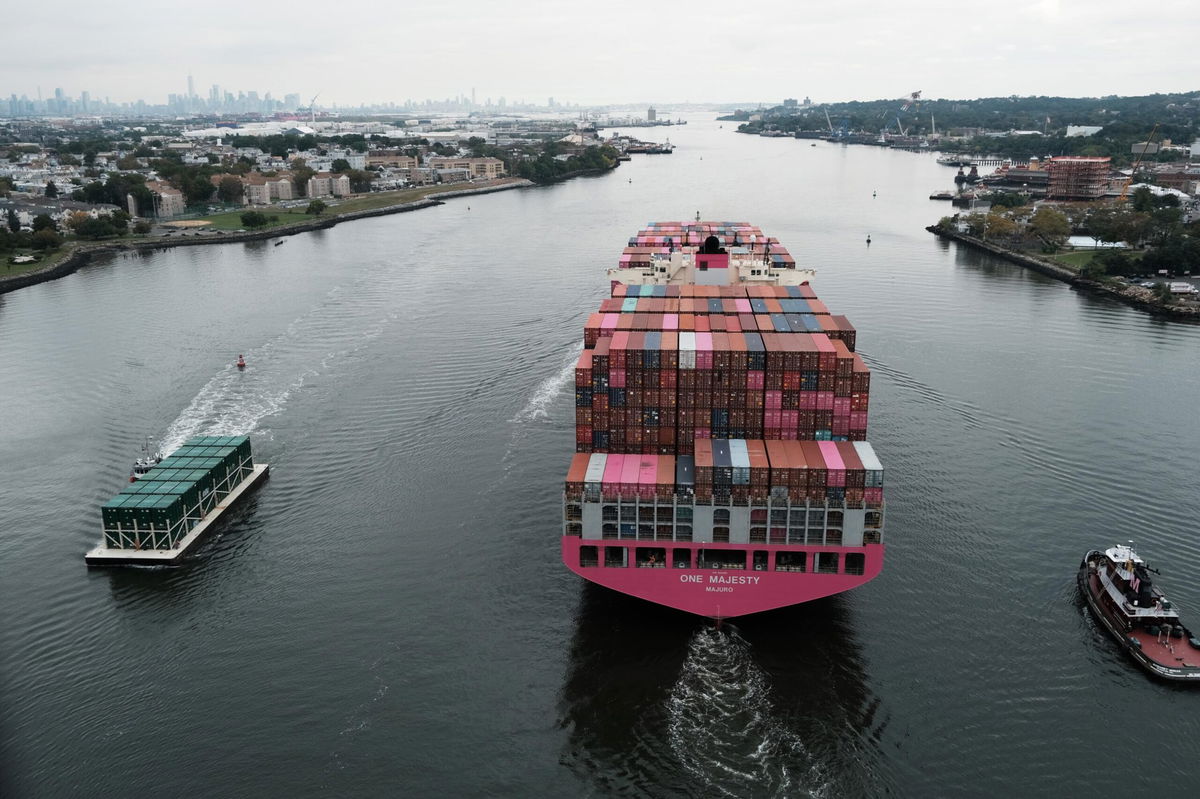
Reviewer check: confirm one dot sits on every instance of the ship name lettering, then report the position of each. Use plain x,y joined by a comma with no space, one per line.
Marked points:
690,578
733,579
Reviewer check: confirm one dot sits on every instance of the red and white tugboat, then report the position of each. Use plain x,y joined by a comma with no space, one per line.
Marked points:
1117,586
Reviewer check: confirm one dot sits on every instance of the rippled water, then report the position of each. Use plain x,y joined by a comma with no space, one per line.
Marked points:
388,614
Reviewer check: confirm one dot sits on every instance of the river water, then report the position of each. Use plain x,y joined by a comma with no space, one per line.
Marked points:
388,615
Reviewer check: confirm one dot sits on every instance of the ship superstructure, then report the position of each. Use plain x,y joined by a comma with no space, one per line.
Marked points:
721,462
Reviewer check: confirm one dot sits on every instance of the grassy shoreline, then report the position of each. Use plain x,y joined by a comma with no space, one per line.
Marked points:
74,254
335,208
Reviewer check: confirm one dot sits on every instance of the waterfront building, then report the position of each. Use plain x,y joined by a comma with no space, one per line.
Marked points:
476,167
327,184
392,158
1078,177
168,200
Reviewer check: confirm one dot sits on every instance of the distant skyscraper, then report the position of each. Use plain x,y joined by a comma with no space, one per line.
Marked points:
85,100
191,87
472,96
550,102
651,114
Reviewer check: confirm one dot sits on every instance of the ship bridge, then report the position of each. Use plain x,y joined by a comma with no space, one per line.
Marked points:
707,254
739,266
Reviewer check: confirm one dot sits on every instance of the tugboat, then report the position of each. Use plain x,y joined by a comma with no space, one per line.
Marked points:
150,458
241,362
1117,586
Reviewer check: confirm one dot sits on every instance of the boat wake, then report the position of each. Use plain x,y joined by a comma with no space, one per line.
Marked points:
724,730
229,404
235,402
538,406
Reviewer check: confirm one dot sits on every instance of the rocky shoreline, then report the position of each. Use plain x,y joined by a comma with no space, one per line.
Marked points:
82,254
1130,295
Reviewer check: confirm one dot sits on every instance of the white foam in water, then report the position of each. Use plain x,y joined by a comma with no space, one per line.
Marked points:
724,730
230,404
549,389
234,403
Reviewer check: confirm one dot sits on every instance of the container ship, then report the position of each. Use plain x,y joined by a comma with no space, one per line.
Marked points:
721,463
172,504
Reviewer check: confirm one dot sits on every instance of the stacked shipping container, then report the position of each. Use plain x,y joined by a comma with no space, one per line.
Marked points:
717,362
161,508
727,373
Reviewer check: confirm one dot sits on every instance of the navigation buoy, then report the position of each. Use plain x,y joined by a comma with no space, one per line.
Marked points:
241,362
868,239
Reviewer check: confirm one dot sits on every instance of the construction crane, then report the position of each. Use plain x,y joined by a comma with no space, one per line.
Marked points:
312,109
1136,164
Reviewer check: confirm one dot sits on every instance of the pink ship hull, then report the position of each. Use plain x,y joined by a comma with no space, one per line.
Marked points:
720,593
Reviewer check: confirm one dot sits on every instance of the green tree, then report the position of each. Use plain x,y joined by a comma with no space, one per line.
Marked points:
360,180
1166,225
301,174
254,219
141,227
230,189
14,224
43,222
51,189
45,239
95,228
128,162
1142,200
340,165
316,208
1050,226
6,185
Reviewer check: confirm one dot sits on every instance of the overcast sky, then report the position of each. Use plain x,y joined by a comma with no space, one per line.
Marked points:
606,52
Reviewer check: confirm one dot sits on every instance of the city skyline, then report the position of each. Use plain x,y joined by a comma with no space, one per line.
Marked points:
629,54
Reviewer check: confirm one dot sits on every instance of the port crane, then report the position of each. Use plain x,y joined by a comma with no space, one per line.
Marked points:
1136,164
913,100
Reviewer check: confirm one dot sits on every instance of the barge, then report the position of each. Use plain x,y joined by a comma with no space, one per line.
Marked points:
173,505
721,462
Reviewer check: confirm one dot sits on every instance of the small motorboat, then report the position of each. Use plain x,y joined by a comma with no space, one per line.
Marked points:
279,242
241,362
1117,586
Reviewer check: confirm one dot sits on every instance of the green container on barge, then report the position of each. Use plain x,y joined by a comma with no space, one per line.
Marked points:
154,519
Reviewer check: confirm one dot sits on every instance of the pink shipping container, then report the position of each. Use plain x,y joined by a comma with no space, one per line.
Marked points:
824,400
631,475
834,463
808,400
858,420
873,497
647,476
613,467
754,380
773,399
704,350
